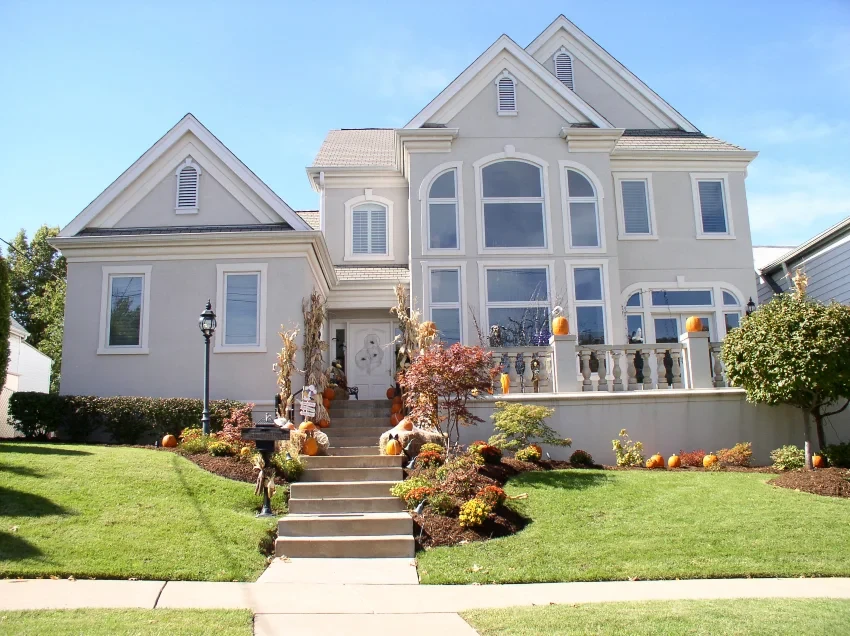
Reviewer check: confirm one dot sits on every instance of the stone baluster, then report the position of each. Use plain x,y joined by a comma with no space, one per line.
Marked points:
616,355
677,369
718,367
660,354
586,383
602,357
647,373
631,370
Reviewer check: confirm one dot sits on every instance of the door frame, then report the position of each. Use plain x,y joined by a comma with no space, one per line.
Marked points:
343,323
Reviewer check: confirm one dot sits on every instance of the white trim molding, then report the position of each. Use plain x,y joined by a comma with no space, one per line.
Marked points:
110,271
563,166
590,263
352,203
424,213
723,177
463,300
222,270
622,235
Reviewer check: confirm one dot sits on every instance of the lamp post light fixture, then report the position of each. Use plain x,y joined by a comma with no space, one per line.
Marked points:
207,325
751,306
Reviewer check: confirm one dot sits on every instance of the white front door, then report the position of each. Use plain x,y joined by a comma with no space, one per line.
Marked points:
370,358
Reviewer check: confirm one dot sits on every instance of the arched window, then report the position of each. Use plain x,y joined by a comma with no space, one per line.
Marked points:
442,211
506,91
564,68
512,201
583,210
369,229
188,180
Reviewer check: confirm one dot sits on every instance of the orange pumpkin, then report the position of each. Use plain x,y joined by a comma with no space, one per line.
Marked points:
427,329
659,460
397,399
693,324
307,426
560,326
709,460
289,426
674,462
328,393
650,463
396,418
396,408
390,393
327,403
323,423
506,383
169,441
310,446
817,461
404,425
393,447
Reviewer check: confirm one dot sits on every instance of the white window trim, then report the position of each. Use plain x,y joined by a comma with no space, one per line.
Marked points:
188,161
221,306
103,340
563,166
549,266
510,153
696,177
427,266
564,51
606,295
368,197
424,189
622,235
506,113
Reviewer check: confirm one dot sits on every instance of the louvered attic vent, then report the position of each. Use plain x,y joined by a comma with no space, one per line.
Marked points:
506,87
564,68
188,177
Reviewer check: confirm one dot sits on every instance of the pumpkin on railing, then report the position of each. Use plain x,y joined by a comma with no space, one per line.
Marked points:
693,324
560,324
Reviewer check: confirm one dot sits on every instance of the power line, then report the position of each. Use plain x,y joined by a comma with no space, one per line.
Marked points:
26,256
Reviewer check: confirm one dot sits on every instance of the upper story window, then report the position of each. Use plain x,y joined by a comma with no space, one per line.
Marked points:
711,206
583,212
564,68
369,229
513,207
443,212
634,198
188,182
506,94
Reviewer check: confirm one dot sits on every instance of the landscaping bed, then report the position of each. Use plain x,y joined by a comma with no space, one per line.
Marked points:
234,468
829,482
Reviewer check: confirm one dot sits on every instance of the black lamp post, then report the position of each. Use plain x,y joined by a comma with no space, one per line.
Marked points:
207,325
751,306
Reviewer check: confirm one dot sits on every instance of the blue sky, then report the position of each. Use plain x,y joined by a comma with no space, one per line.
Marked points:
88,87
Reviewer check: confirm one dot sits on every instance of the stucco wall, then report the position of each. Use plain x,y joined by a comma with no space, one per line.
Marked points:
174,367
666,422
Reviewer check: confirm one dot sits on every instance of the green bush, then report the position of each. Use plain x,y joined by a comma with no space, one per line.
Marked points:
435,448
5,322
36,415
195,445
290,468
788,458
837,455
402,488
528,454
474,512
581,458
441,503
220,449
519,425
628,452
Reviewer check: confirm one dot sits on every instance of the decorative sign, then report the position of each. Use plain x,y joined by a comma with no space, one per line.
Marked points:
262,433
308,408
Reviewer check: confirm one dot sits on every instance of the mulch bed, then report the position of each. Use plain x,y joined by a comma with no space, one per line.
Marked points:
230,467
829,482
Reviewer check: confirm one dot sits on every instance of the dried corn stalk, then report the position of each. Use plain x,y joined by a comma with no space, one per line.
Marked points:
314,310
407,341
285,366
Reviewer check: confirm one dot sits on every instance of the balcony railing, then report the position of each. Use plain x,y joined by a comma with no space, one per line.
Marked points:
529,368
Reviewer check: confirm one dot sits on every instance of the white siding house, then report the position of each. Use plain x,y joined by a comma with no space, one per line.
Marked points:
28,370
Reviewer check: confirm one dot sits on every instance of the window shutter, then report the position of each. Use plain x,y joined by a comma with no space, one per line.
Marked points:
507,95
564,69
635,208
360,232
187,188
712,207
379,232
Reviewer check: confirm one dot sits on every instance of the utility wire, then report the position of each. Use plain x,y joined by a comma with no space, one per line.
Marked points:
26,256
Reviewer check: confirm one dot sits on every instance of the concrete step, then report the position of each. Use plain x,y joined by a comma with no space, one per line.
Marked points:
345,504
351,547
356,524
349,451
353,490
357,422
353,474
360,413
370,440
359,431
354,461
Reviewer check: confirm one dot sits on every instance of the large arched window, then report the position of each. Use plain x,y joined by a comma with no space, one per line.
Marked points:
512,199
443,228
583,210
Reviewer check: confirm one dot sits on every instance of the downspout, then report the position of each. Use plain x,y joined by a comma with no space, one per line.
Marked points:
322,201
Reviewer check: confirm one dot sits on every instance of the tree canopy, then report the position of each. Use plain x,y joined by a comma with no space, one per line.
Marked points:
5,320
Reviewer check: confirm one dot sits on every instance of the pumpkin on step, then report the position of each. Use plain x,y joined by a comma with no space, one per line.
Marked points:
395,419
393,447
310,446
169,441
390,393
327,403
404,425
328,394
307,426
323,423
396,407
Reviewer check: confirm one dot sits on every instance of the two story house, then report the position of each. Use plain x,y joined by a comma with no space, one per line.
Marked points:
542,176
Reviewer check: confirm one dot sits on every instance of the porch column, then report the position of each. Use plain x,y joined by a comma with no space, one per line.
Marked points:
698,360
564,378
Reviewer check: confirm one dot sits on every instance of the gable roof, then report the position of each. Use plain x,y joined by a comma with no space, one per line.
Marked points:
189,124
525,64
838,233
18,329
611,71
357,147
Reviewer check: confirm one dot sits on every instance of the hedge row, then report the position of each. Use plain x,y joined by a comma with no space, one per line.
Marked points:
126,419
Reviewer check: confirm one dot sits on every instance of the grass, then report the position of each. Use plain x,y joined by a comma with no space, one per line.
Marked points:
108,622
593,525
118,513
743,616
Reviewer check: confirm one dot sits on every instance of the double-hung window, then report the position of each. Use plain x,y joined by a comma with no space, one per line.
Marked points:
588,294
517,304
446,303
241,303
369,229
125,307
583,211
513,205
711,206
634,197
443,212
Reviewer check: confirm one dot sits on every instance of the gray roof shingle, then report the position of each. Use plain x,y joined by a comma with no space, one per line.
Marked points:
358,147
373,272
665,139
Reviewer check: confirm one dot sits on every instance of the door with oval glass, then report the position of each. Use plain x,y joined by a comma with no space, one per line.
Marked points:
370,357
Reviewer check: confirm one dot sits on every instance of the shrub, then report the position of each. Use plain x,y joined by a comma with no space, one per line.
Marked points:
415,496
239,417
489,453
528,454
36,415
581,458
520,425
694,458
290,467
429,459
195,445
220,449
5,321
739,455
458,463
837,455
473,513
441,503
629,452
431,447
788,458
492,496
401,489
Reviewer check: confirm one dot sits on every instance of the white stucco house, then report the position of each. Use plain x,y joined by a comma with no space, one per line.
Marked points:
28,370
542,175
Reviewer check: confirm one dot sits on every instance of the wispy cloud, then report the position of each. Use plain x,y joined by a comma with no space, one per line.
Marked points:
777,127
392,74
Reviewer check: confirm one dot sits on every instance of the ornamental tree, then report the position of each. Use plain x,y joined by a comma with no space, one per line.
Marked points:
439,383
519,425
794,350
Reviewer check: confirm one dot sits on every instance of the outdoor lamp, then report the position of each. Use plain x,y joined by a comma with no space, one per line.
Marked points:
207,321
207,324
751,306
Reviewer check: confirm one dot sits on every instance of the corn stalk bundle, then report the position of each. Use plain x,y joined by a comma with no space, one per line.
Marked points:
407,339
284,367
314,310
265,476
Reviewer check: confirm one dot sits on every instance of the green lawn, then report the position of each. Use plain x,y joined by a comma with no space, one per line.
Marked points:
591,525
696,618
110,512
109,622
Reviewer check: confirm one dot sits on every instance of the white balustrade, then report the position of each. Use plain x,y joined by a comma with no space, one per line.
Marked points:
718,371
647,367
529,368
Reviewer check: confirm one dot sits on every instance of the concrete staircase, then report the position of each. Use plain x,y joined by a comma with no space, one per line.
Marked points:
342,507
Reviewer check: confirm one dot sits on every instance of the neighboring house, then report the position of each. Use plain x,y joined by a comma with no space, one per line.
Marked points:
541,176
825,259
28,370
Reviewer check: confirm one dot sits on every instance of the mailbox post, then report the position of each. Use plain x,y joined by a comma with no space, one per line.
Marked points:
264,436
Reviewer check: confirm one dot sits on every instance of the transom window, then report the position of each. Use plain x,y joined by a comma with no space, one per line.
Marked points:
589,304
517,304
369,229
513,205
681,297
442,212
582,203
445,303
